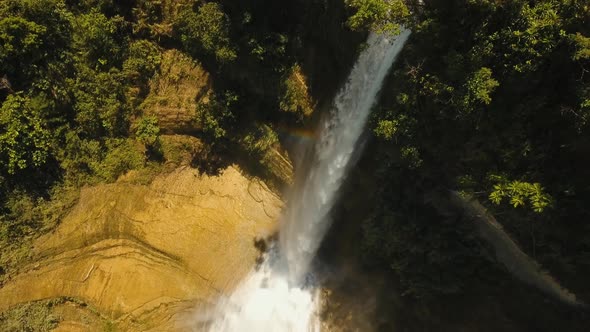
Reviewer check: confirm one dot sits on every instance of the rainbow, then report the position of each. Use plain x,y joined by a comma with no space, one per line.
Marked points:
300,133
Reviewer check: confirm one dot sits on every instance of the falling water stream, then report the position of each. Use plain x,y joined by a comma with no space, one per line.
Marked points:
281,295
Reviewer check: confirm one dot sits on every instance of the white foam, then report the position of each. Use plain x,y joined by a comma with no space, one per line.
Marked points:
279,297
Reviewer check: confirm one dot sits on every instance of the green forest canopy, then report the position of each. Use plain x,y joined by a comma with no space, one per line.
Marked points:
490,98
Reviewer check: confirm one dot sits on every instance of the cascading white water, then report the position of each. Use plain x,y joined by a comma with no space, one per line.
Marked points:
306,220
279,296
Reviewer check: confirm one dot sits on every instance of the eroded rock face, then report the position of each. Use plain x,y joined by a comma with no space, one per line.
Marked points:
180,85
145,256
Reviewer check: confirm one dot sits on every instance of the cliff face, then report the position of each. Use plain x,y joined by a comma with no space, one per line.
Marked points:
179,86
145,256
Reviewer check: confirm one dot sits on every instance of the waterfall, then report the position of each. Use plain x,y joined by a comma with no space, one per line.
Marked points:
306,220
280,295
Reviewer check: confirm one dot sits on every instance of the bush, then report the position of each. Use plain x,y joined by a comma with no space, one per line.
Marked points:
35,316
148,133
147,130
122,156
90,161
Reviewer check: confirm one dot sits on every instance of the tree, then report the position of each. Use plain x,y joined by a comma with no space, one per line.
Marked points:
521,194
208,31
582,44
99,102
25,141
52,14
148,133
479,87
378,15
294,95
36,36
215,117
143,60
21,45
532,31
99,39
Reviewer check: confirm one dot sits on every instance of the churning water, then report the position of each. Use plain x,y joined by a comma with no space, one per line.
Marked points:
280,296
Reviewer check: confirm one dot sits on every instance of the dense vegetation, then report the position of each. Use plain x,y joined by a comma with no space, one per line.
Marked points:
74,76
490,98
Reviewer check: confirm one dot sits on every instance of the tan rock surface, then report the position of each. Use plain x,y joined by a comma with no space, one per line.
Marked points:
145,255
